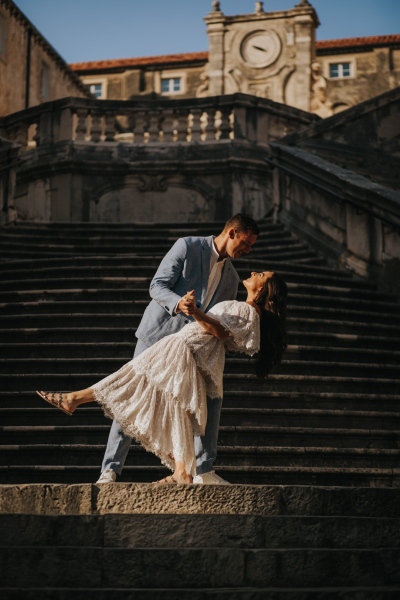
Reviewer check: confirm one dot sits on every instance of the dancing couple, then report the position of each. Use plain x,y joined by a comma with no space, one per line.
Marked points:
169,396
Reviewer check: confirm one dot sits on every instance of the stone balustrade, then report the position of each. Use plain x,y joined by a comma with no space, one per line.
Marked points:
152,121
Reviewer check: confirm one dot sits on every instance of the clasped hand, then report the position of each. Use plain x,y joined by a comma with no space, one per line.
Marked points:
187,304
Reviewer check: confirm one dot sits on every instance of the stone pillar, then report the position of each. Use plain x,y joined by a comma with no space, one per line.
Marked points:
305,23
215,21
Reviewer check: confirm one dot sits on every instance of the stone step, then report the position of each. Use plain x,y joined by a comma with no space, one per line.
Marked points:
229,436
308,366
198,531
258,399
140,231
198,228
131,567
152,260
124,351
260,593
37,413
103,273
390,316
300,259
80,239
140,297
243,382
254,475
260,500
131,321
61,454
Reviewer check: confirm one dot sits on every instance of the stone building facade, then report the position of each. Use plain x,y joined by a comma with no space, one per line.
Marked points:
268,54
31,71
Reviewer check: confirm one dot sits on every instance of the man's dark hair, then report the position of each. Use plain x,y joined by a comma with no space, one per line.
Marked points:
242,223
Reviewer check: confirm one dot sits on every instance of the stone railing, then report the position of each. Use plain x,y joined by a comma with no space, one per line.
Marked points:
153,121
349,218
8,164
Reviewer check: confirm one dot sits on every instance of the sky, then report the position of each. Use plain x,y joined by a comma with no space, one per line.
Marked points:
83,30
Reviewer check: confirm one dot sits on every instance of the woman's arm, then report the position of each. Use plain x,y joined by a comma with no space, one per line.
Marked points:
210,324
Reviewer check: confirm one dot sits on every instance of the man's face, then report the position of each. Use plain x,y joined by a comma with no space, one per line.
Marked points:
240,243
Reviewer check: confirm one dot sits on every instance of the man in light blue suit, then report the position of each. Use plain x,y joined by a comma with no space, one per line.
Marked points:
201,264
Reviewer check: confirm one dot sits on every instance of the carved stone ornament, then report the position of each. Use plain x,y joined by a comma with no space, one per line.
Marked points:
260,48
153,183
320,105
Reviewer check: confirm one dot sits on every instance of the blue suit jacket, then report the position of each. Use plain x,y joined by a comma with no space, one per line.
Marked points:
185,267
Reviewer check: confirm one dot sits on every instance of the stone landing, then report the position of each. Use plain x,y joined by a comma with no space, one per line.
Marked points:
143,498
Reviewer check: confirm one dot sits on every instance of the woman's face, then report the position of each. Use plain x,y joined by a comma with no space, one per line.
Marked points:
257,280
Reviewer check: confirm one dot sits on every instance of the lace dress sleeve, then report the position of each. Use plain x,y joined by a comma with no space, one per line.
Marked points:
242,322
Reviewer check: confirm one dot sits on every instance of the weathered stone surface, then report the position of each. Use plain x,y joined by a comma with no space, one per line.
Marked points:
51,530
166,179
187,499
177,531
304,567
320,593
199,531
50,567
173,569
127,498
46,499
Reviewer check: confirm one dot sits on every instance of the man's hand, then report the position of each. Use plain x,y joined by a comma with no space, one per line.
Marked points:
187,304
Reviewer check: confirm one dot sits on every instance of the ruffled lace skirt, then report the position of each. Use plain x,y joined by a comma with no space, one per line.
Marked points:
159,399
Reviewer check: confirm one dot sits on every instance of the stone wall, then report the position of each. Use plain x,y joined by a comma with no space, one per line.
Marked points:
144,81
267,54
324,191
375,70
31,71
147,161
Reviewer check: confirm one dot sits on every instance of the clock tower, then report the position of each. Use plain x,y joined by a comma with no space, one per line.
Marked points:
267,54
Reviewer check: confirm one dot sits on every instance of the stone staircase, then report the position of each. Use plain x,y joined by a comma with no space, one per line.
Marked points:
71,296
129,541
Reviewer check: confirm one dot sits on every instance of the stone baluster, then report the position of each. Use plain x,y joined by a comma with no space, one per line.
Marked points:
196,129
33,135
45,127
168,122
154,126
63,125
239,122
81,128
109,131
182,126
96,128
225,125
19,134
140,126
210,127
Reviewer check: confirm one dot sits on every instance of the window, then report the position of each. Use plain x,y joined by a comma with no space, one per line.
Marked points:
340,70
45,82
3,37
171,86
96,89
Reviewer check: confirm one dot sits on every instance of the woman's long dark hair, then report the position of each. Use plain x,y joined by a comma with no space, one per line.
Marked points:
272,325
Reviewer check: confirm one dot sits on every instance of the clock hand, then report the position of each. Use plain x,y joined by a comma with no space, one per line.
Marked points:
261,49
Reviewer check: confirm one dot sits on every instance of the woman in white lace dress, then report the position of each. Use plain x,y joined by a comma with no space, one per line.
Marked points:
159,397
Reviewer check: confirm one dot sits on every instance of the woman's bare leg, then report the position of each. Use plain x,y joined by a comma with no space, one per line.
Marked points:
180,474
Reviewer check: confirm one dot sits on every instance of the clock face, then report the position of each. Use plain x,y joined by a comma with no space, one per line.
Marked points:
260,48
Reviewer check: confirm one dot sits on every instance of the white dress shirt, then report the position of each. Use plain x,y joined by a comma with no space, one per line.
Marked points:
214,278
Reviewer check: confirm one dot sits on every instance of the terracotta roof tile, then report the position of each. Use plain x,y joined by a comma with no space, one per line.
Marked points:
145,60
373,40
118,63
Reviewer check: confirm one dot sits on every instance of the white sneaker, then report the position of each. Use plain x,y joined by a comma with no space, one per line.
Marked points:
210,478
107,476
